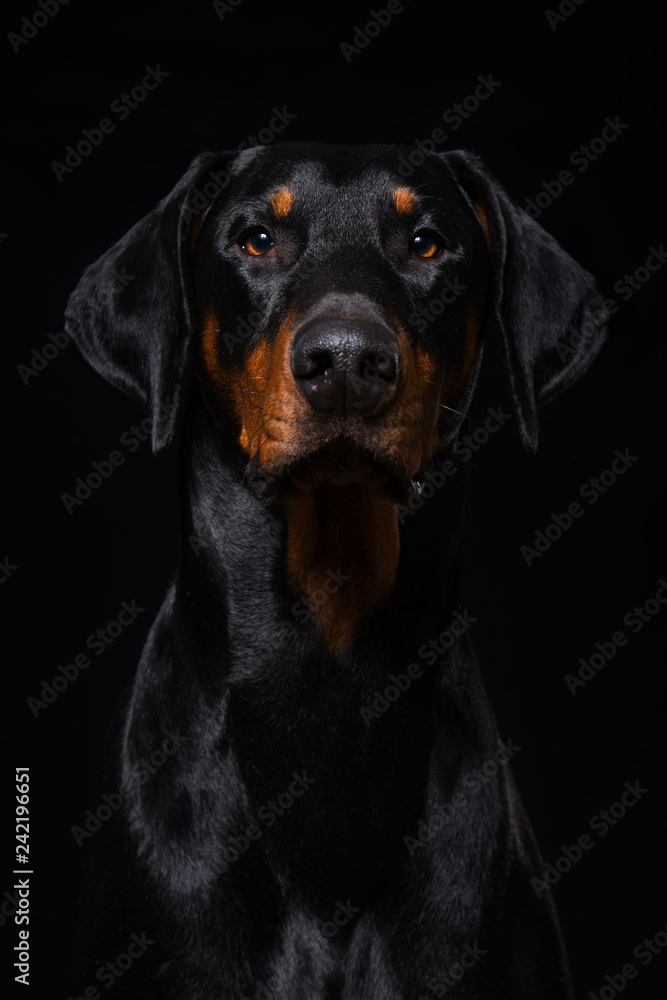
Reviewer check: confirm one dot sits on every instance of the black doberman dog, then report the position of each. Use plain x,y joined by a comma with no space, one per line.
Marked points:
330,814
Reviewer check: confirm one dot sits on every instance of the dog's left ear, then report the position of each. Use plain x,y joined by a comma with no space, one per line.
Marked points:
131,313
552,321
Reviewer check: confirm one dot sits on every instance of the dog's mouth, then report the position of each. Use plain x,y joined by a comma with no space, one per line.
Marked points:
342,462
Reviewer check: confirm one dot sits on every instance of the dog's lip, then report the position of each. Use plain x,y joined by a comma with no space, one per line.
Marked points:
341,462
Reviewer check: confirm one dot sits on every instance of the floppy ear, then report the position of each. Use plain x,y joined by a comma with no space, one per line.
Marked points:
550,317
131,313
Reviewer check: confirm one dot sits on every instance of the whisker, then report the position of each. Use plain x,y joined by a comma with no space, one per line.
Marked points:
451,408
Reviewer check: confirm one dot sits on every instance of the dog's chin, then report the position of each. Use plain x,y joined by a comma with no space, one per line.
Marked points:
340,464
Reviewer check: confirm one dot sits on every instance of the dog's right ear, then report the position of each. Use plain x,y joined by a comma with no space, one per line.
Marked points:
550,316
131,313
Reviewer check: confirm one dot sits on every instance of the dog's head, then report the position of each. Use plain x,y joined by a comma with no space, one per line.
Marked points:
320,289
334,300
337,307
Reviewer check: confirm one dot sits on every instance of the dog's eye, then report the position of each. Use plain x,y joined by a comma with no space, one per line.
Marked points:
258,243
424,245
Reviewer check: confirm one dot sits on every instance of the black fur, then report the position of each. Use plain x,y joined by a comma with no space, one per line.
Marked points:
328,902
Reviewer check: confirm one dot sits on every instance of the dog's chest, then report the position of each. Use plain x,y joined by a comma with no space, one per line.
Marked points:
331,795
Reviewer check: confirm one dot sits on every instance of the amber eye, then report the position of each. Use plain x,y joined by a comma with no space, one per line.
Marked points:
424,245
258,243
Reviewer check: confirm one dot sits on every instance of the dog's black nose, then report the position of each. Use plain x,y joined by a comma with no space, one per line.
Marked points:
344,366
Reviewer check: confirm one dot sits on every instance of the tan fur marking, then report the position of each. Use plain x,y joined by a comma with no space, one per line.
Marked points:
281,202
265,395
348,530
260,392
416,404
210,347
404,199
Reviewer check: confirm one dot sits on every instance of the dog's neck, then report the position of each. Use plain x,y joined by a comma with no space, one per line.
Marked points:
342,556
246,650
322,567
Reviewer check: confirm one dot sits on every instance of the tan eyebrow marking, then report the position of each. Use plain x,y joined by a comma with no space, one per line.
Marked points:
404,199
281,202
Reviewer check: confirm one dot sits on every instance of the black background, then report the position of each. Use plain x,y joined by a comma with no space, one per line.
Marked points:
557,87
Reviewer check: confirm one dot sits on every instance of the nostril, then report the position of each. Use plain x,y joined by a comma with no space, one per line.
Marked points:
312,364
380,365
